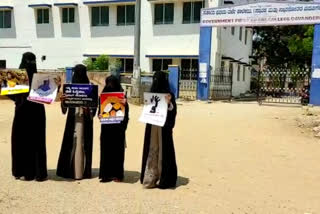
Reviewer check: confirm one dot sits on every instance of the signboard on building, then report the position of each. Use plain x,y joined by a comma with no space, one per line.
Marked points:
262,14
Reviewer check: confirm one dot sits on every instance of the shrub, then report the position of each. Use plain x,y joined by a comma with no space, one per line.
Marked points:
102,63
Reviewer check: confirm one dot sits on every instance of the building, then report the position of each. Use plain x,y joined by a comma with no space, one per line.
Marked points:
65,32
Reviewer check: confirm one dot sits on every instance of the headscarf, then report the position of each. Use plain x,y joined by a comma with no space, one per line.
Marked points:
160,83
80,75
28,62
112,84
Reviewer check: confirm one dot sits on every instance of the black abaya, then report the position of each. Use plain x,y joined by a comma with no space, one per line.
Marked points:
112,146
28,139
112,140
65,163
168,175
159,166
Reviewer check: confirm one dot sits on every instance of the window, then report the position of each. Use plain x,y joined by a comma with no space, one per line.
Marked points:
189,64
231,68
223,63
245,36
5,19
100,16
125,15
43,16
238,73
3,64
163,13
240,34
189,69
68,15
232,30
191,12
126,65
161,64
244,74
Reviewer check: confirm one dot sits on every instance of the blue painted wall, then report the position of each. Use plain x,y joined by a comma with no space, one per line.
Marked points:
174,79
69,74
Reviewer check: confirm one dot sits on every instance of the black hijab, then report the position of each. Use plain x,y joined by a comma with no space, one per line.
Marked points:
80,75
28,62
112,84
160,83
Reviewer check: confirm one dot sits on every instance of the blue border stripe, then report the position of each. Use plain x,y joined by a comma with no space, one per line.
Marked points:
107,2
111,55
39,5
172,56
65,4
6,7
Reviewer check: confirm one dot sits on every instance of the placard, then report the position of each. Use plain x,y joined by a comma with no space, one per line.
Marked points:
155,109
80,95
44,88
112,111
14,81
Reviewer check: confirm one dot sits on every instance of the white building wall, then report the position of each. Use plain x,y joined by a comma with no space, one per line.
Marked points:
64,44
166,39
231,46
239,86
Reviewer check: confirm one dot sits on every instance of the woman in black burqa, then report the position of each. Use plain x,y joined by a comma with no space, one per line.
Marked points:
28,138
112,140
159,168
73,164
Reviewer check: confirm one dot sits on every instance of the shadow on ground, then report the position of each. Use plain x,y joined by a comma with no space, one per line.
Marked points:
182,181
130,177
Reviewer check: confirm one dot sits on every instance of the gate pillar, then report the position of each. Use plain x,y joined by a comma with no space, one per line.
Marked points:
315,75
203,89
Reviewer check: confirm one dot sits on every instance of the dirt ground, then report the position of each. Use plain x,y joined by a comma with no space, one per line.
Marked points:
232,158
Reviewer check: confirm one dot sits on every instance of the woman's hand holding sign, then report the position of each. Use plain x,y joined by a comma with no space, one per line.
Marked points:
168,98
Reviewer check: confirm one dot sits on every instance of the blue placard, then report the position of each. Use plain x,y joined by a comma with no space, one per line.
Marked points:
85,95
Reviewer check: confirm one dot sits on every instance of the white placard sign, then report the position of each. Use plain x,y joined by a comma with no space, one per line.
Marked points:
203,70
316,73
262,14
44,88
155,109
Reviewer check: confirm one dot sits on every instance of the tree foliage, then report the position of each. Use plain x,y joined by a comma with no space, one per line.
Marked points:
102,63
284,46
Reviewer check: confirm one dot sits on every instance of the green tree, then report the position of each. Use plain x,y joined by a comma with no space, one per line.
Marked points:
89,63
102,63
284,46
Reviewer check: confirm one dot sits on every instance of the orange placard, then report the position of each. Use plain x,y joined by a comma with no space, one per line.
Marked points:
112,110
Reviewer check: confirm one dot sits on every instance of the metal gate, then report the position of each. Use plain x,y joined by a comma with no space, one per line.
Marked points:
221,85
188,84
281,85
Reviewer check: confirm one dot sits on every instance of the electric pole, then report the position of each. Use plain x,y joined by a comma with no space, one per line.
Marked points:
136,78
